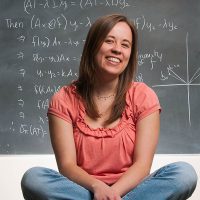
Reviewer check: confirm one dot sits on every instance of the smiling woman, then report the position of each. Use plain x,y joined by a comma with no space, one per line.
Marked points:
107,41
104,129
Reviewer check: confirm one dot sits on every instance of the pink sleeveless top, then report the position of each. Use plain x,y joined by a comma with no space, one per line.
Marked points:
105,153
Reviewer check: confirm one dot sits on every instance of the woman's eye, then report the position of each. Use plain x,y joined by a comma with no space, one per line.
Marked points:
109,41
126,45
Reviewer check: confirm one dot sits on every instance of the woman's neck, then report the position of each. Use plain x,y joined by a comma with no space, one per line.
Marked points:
105,88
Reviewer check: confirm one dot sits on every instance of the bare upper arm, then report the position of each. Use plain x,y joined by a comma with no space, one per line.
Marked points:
147,135
62,139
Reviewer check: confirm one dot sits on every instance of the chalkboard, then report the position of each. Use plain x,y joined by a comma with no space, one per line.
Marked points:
40,48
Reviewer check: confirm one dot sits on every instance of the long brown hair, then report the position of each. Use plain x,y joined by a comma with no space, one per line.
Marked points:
86,79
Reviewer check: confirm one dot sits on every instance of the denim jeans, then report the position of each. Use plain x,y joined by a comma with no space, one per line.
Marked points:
175,181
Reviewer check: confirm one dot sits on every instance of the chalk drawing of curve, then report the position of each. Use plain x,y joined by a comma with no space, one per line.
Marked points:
188,83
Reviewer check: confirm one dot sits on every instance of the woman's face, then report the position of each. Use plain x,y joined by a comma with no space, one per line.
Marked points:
113,56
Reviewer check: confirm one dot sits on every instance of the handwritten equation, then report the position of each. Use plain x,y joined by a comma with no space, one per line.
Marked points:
60,22
30,5
65,23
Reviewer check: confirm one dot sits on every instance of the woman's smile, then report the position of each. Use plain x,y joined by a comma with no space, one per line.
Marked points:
113,59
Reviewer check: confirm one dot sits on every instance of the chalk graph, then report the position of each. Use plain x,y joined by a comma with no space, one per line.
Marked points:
188,82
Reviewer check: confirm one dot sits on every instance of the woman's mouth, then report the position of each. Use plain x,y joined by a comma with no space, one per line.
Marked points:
113,59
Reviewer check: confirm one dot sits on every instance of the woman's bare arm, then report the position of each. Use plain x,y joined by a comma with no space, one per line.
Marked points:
147,134
63,144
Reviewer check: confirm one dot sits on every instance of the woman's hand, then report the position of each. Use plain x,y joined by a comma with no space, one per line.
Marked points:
104,192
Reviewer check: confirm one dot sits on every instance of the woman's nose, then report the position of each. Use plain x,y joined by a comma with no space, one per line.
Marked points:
116,49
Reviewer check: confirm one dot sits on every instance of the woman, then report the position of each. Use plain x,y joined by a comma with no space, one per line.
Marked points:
104,129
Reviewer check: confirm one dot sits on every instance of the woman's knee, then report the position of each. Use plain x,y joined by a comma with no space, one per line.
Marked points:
185,178
31,175
32,181
43,183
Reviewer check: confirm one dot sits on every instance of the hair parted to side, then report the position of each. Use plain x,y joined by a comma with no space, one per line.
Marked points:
87,69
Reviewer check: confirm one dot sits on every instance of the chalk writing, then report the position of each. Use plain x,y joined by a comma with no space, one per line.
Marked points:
46,42
60,22
21,115
33,4
54,59
139,77
107,3
21,102
22,72
19,87
43,119
142,23
29,129
54,74
168,25
43,104
20,55
43,89
63,5
12,126
21,38
188,83
11,24
153,57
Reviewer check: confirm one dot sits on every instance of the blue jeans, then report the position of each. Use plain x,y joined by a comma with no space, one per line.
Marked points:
175,181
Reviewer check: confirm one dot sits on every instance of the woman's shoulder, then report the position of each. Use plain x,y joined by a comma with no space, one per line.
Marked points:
143,99
140,91
139,87
66,91
64,103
